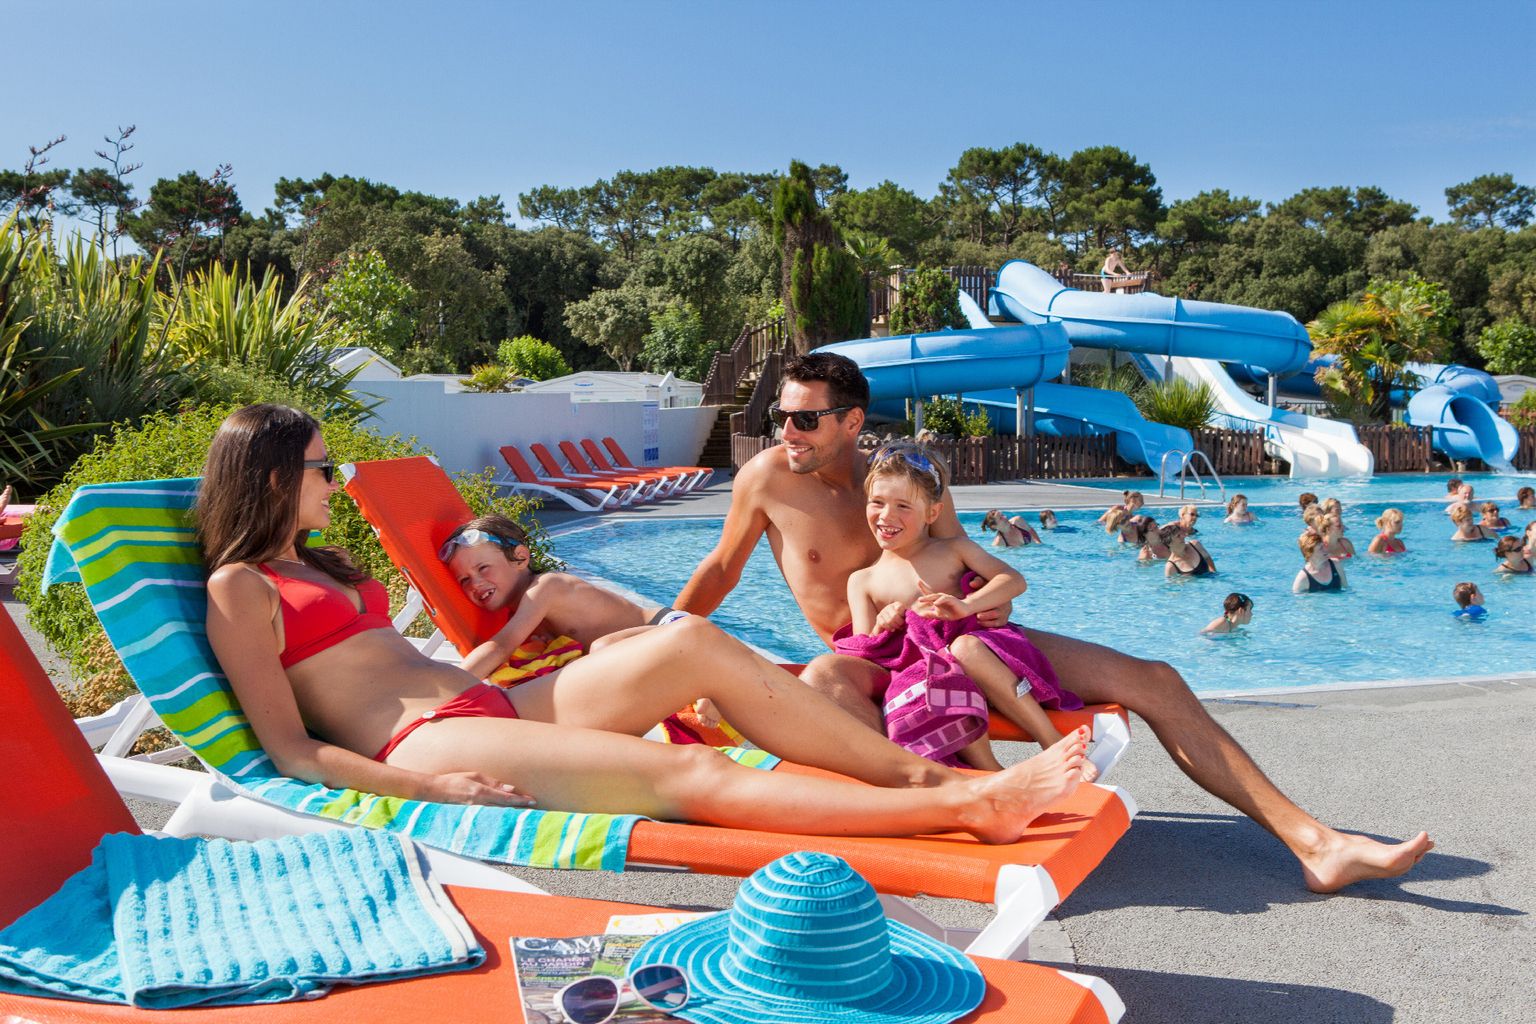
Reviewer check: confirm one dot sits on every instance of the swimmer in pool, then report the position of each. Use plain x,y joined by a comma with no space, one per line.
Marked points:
1010,531
1185,557
1491,518
1469,602
1387,542
1318,572
1463,497
1236,610
1130,504
1530,539
1466,529
1189,515
1305,500
1526,496
1339,546
1512,559
1143,531
1237,511
1048,518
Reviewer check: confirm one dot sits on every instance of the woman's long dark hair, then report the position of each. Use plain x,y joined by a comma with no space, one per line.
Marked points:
248,504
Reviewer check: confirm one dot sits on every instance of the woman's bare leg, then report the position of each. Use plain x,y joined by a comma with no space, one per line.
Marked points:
999,685
574,769
1209,755
631,686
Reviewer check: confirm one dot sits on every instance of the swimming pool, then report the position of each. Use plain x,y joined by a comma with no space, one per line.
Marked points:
1393,622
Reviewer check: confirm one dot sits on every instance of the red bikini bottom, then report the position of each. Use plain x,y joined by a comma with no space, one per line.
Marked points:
479,701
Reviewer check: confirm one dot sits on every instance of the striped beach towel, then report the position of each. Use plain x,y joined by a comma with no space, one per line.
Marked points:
134,548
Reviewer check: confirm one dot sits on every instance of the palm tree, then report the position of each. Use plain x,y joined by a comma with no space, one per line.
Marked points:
1375,338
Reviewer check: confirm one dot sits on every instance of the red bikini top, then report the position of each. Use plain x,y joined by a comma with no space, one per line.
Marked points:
317,617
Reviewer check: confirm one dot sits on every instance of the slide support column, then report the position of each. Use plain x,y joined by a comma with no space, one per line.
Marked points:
1274,391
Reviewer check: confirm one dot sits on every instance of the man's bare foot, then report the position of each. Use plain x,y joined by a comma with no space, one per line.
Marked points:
1345,859
1000,807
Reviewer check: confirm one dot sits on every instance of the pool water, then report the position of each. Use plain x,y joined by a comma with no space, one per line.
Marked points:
1393,622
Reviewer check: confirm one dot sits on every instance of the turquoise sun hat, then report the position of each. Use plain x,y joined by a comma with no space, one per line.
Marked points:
805,942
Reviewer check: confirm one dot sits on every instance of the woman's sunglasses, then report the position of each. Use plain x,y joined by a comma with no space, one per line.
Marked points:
803,419
596,999
326,467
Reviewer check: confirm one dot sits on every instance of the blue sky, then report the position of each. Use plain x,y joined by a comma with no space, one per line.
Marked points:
471,98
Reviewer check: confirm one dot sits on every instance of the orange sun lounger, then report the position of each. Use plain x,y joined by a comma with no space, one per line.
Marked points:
60,803
588,496
701,474
662,484
640,488
413,507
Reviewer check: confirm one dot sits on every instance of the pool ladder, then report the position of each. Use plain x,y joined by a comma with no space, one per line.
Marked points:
1187,467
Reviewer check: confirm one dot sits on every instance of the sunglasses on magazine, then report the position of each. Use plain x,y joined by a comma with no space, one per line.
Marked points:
596,999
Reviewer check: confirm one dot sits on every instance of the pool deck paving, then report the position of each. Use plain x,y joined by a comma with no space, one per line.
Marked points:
1199,915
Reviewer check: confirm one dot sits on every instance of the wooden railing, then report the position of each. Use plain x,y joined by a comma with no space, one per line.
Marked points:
984,460
977,282
746,355
1525,458
1128,284
1232,452
1398,448
754,418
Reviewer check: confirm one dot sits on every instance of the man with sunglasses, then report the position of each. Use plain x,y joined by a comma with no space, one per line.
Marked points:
807,495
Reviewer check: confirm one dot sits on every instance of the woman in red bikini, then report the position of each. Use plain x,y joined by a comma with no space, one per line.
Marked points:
337,696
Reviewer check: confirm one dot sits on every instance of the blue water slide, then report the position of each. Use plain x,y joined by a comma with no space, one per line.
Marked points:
1153,324
1458,403
954,362
1064,410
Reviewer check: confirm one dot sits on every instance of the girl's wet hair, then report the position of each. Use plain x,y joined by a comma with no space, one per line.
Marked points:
1507,546
1235,602
1525,494
1461,512
916,463
1115,519
1453,485
993,520
1140,527
1393,516
1332,505
1141,499
1306,498
1463,593
1232,502
1309,541
1167,533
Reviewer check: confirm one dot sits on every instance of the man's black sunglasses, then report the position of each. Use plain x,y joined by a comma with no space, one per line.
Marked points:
803,419
326,467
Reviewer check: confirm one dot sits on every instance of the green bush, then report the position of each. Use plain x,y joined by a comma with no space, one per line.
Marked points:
1509,346
1177,403
529,357
1523,412
169,445
929,301
489,378
948,417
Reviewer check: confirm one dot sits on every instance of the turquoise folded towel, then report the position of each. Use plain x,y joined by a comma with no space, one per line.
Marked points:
164,923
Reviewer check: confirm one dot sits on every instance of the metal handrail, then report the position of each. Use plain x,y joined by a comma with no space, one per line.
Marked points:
1186,467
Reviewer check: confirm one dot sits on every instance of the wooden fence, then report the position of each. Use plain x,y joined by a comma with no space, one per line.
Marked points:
1525,458
754,418
1232,452
1398,448
977,282
984,460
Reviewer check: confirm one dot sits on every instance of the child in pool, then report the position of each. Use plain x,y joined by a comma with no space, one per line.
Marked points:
1453,487
1466,529
1512,558
1114,522
1491,518
1306,499
1185,557
1339,546
1387,542
1526,496
1143,530
1048,518
1333,507
490,560
1236,610
918,577
1469,602
1318,571
1011,531
1237,511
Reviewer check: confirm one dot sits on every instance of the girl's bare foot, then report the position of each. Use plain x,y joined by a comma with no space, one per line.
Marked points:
1000,807
1344,859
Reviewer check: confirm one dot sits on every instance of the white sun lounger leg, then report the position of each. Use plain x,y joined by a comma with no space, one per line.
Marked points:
1111,738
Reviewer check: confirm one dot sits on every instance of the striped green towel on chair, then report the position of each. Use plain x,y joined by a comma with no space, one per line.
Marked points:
134,548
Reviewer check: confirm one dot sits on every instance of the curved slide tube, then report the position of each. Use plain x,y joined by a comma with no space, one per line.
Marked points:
1065,410
1458,402
1153,324
1191,336
955,362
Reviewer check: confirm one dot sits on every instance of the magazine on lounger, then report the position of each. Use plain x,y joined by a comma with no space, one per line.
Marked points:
544,966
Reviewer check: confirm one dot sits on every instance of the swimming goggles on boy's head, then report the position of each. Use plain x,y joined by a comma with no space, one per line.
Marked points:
596,999
468,539
803,419
912,457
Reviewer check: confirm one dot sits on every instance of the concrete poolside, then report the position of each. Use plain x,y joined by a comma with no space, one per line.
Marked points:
1198,915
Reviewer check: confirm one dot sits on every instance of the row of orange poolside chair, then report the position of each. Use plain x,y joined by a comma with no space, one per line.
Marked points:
594,481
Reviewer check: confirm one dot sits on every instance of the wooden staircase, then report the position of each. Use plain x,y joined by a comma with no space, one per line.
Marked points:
717,447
